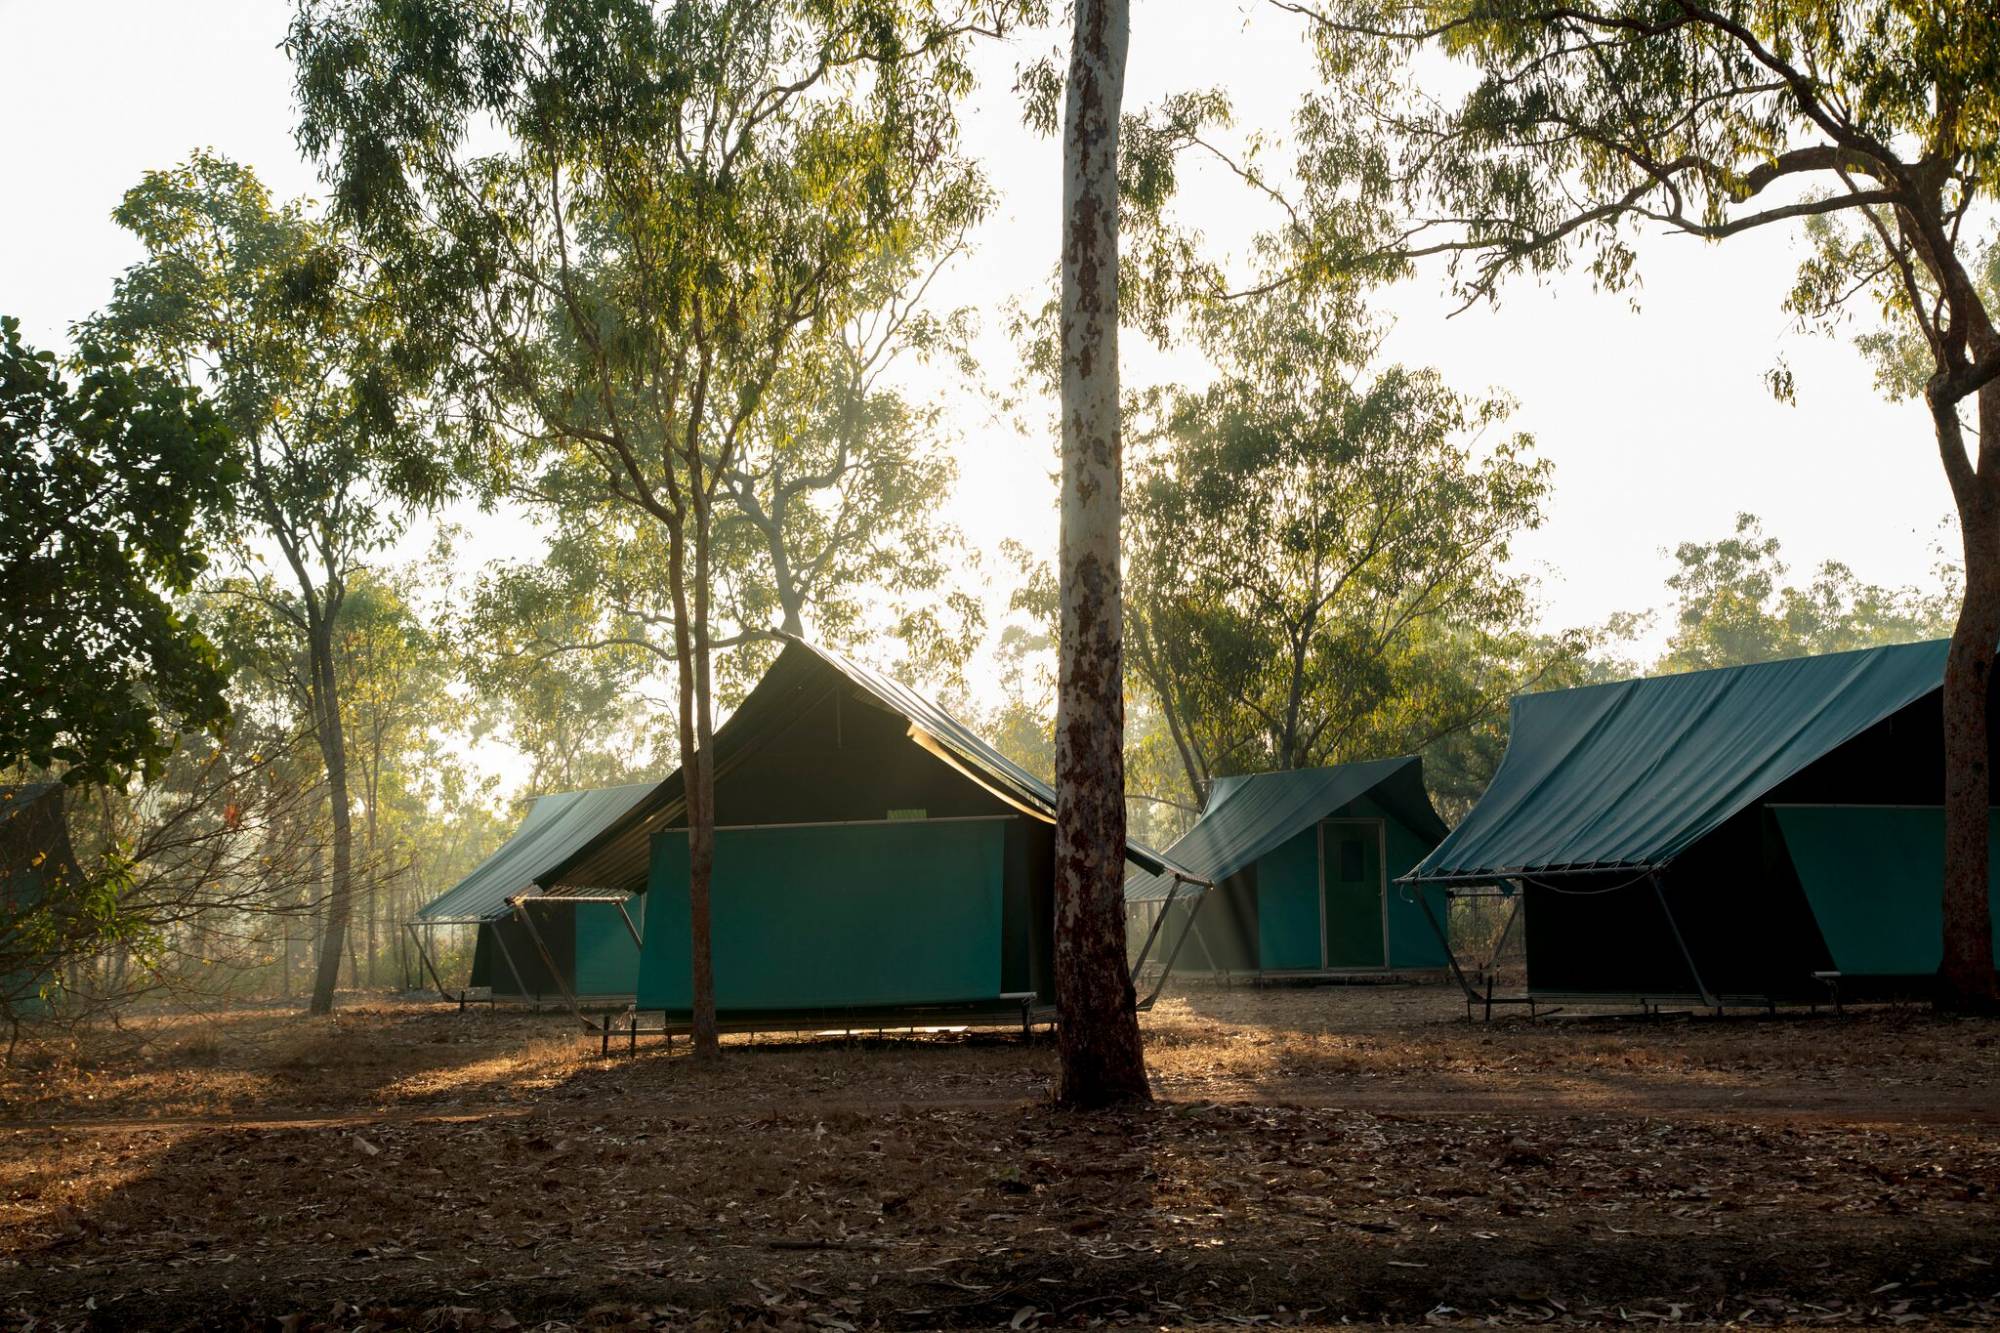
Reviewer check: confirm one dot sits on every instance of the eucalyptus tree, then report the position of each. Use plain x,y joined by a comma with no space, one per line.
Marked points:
1102,1059
563,653
614,219
396,691
1869,127
1732,605
269,309
828,523
110,475
836,490
1319,552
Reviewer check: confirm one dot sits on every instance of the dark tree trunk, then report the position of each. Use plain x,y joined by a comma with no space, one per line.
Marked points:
1102,1059
707,1039
1966,980
374,860
333,750
697,783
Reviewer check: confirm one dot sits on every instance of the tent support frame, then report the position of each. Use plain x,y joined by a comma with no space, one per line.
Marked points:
1146,949
1180,942
1159,920
1701,987
431,967
1444,942
500,942
521,914
637,942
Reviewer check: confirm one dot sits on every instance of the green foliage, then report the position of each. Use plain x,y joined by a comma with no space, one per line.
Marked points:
838,487
1578,127
674,193
53,911
1317,565
560,654
273,314
109,478
1732,608
302,348
1902,358
614,230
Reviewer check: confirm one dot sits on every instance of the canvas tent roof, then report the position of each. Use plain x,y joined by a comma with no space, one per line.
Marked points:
617,858
554,827
1630,774
1251,815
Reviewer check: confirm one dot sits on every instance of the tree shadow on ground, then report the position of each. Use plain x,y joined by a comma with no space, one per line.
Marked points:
958,1216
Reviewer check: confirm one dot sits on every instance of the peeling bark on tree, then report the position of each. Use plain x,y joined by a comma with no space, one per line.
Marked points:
1102,1059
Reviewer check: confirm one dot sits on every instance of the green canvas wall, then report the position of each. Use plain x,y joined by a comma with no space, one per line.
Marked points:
593,951
836,916
1874,877
1288,904
1413,940
607,958
1267,917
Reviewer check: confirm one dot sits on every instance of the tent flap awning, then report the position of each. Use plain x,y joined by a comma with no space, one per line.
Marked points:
1626,776
554,827
1249,816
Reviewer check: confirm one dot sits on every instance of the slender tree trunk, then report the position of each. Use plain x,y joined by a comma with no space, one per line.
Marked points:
1966,980
1157,679
333,749
791,599
1102,1059
702,866
374,861
700,816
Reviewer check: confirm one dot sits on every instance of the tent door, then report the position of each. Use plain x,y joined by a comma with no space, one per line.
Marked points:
1353,893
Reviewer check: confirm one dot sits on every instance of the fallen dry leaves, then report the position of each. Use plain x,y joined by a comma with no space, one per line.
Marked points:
1510,1174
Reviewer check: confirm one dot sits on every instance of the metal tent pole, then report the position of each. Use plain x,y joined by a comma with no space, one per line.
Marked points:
1167,968
1700,986
410,926
500,941
1493,959
637,943
1154,932
1444,942
521,912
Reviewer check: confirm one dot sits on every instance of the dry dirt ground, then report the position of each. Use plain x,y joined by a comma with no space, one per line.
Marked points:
1315,1156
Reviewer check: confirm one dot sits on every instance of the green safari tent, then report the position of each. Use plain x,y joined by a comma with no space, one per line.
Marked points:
875,862
1741,835
532,946
1304,864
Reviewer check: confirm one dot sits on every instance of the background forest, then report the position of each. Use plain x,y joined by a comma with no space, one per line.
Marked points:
285,711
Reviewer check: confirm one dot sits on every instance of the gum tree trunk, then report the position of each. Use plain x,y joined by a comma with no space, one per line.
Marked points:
1966,980
333,750
697,790
1102,1060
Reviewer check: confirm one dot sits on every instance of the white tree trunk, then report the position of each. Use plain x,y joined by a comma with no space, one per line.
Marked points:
1102,1060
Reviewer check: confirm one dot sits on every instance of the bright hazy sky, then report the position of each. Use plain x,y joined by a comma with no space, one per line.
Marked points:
1657,421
